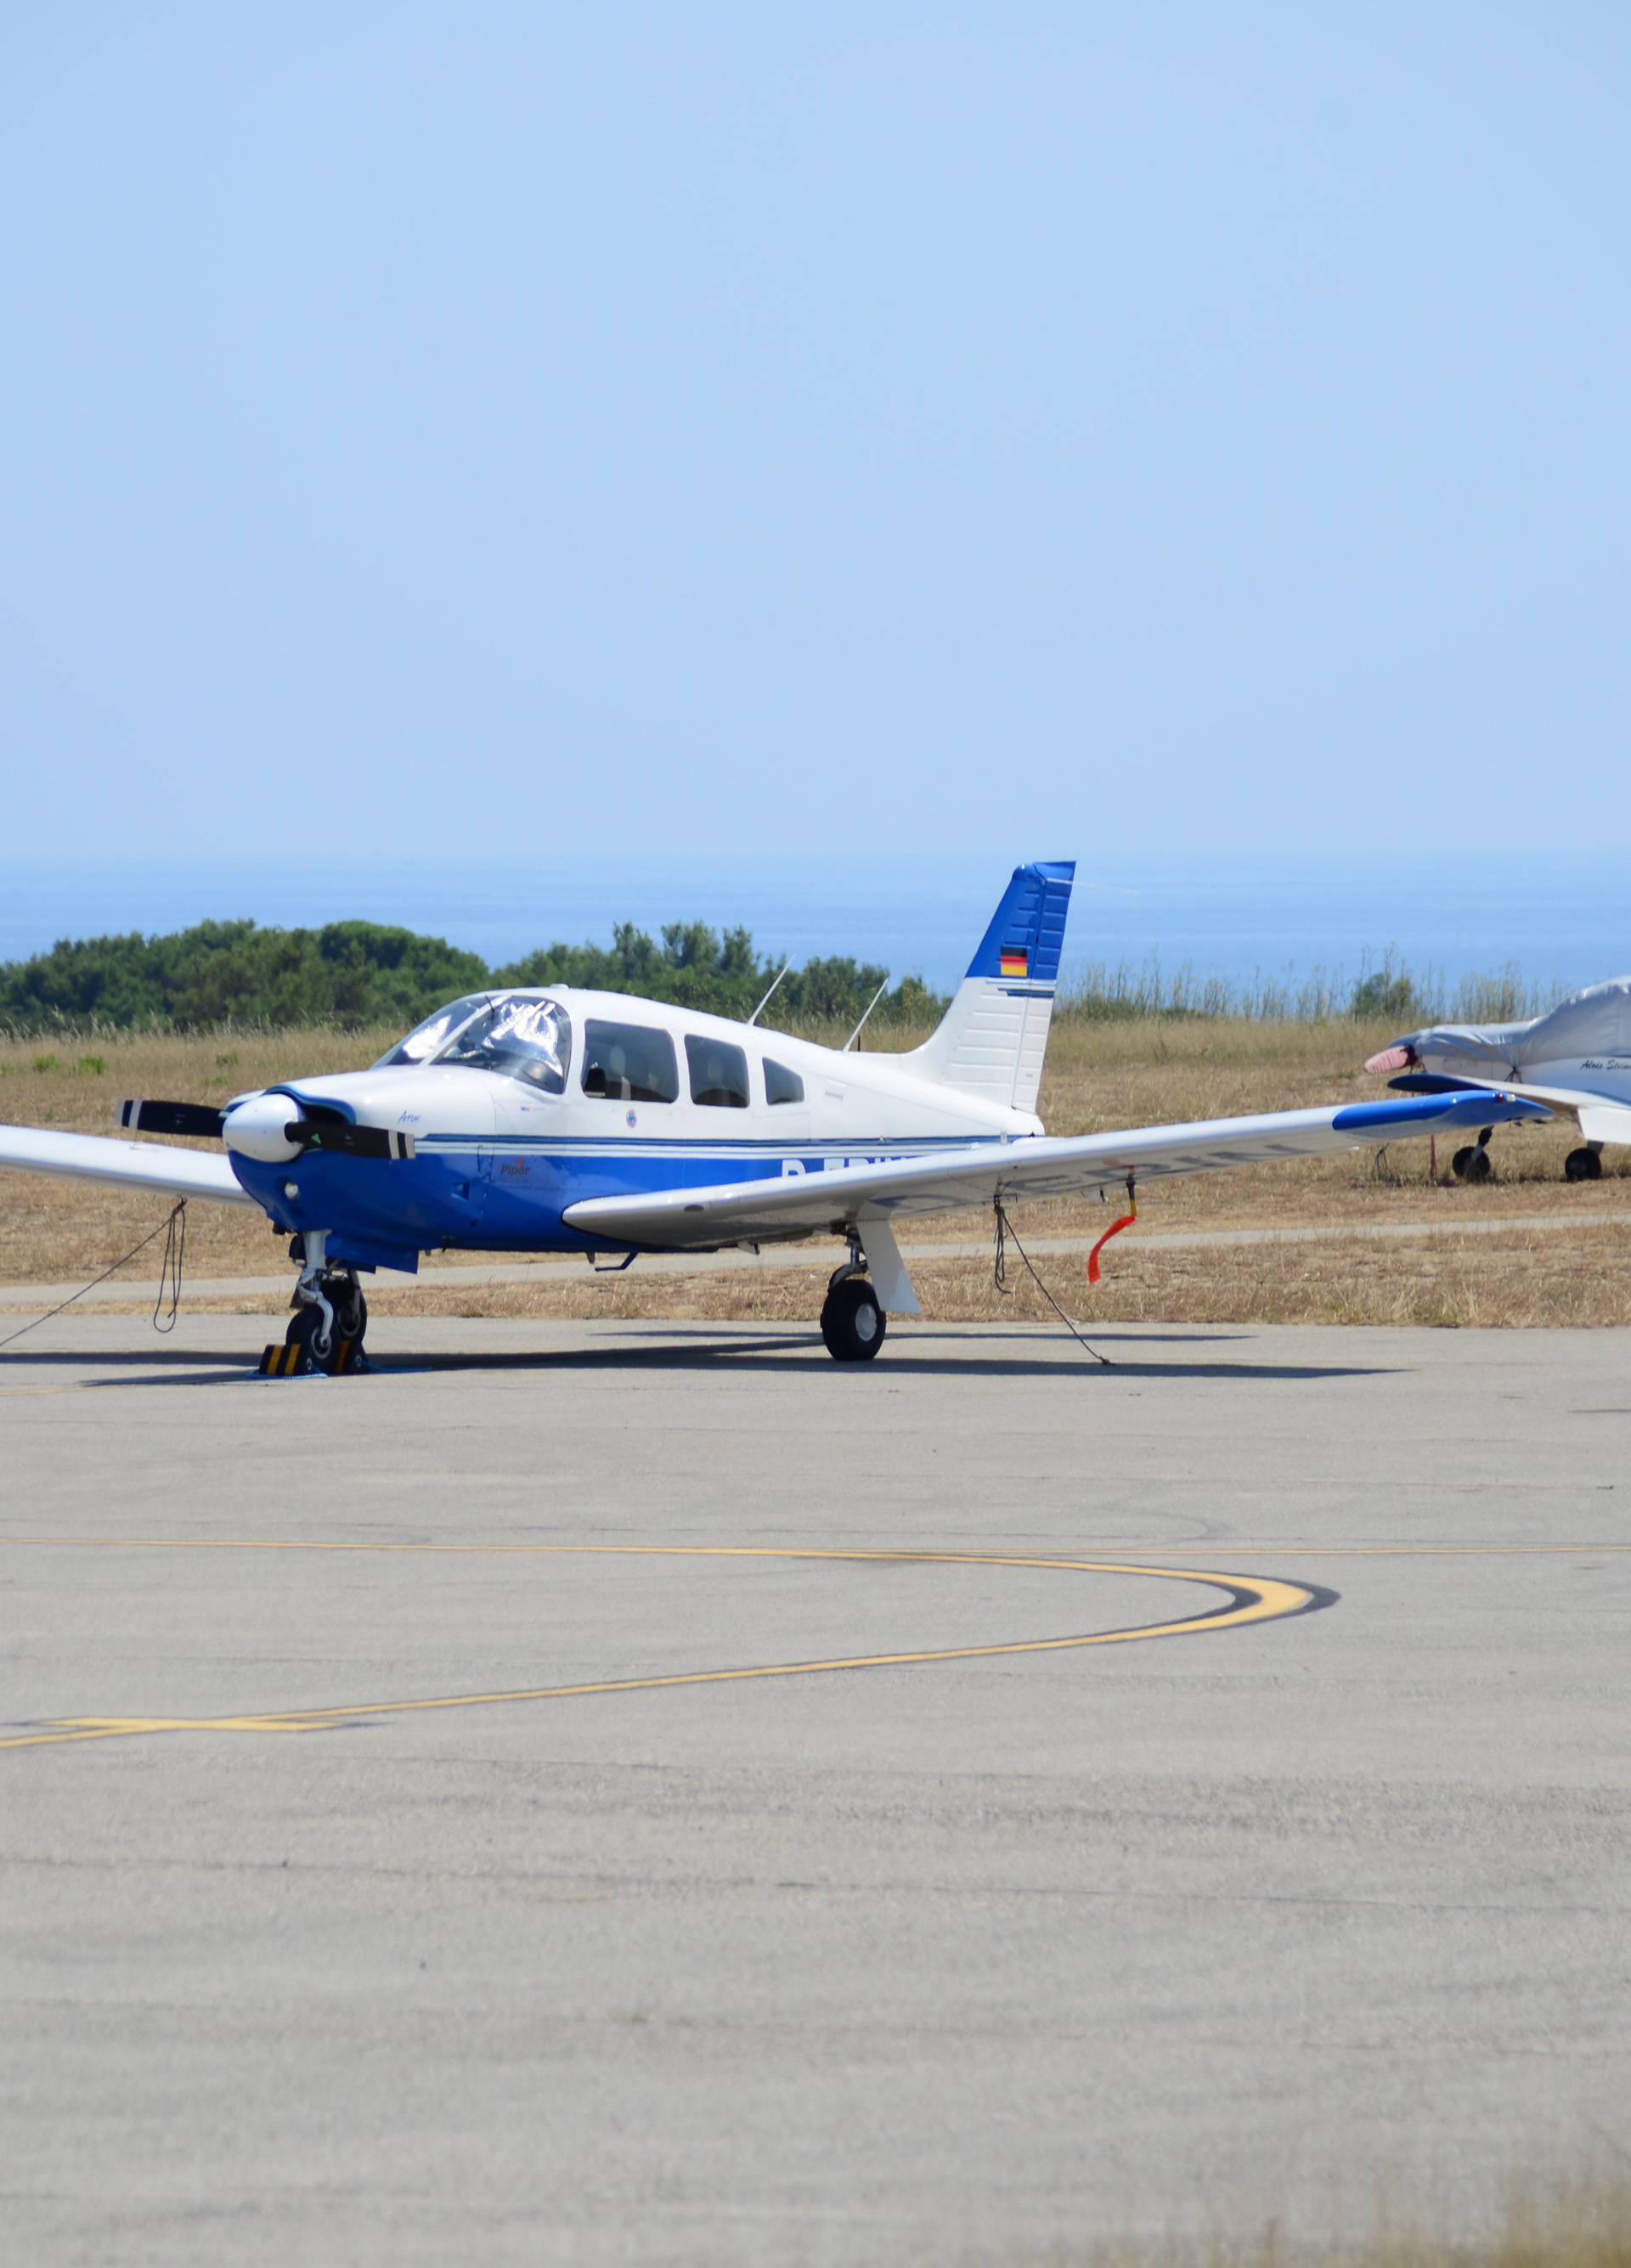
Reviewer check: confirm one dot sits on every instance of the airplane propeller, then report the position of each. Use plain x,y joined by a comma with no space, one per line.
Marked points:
313,1130
342,1139
172,1118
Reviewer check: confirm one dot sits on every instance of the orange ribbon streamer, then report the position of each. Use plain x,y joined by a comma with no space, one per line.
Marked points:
1115,1229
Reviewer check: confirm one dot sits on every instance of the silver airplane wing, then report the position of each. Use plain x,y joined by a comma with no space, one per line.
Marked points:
159,1166
800,1204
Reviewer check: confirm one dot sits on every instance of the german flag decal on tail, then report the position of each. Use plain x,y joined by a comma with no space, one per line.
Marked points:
1014,962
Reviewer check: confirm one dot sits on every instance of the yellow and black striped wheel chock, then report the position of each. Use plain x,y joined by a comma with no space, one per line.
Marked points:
288,1359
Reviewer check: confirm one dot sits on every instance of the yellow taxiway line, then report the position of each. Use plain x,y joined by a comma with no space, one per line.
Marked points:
1249,1599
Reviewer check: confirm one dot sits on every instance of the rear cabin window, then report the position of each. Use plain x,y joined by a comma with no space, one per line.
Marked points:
782,1085
718,1073
629,1062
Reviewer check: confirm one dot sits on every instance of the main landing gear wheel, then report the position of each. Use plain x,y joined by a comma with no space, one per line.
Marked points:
1583,1165
852,1322
1470,1163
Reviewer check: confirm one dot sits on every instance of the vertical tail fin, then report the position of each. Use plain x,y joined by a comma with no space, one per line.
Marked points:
995,1033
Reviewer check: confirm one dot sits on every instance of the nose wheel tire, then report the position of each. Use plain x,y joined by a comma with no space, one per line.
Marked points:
853,1323
306,1332
341,1349
1583,1165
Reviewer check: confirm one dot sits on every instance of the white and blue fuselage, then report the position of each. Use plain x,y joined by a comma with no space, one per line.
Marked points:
583,1094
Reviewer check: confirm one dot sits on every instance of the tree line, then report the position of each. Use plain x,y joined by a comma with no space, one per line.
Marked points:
356,974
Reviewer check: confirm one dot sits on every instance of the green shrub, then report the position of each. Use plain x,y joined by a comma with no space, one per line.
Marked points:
1387,996
355,974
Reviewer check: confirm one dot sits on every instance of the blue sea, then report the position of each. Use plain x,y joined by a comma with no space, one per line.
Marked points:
1556,919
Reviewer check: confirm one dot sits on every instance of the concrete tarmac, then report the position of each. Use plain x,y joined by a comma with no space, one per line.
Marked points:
646,1793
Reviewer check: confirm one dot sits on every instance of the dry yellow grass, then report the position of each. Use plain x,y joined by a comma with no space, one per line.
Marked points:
1578,2219
1533,1279
52,1231
1099,1076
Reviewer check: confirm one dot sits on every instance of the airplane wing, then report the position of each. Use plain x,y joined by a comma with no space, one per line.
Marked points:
799,1205
1600,1118
159,1166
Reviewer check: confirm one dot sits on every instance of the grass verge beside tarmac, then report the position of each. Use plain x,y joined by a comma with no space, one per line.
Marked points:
1580,2219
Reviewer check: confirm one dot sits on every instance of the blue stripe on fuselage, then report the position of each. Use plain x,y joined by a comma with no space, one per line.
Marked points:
509,1195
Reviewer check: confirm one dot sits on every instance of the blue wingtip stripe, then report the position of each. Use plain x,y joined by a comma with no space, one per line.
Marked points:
1465,1108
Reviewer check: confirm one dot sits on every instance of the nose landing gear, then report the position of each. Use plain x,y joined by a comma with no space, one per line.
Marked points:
329,1323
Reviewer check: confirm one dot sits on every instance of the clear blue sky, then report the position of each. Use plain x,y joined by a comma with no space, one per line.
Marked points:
487,431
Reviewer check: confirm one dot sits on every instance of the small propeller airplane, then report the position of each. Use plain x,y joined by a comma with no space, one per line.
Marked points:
1575,1059
553,1119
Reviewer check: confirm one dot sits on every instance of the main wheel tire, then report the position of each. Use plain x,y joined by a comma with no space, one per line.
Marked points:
1583,1165
1462,1160
1478,1167
853,1323
304,1331
351,1315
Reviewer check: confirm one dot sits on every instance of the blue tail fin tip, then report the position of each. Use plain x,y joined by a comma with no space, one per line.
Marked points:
1027,931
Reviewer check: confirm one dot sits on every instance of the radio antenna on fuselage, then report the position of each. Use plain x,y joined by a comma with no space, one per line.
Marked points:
860,1027
765,1002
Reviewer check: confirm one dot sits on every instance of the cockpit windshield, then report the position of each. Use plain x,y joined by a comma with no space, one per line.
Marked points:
523,1035
424,1039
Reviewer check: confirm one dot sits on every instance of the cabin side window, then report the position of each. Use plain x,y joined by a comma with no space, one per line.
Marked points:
718,1073
629,1062
782,1085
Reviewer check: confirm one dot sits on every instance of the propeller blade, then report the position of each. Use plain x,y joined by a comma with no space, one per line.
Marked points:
172,1118
343,1140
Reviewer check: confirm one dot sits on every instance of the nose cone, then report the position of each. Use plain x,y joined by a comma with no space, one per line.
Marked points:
255,1127
1390,1059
